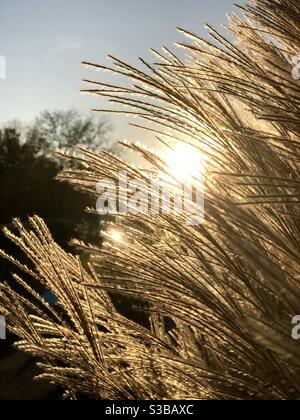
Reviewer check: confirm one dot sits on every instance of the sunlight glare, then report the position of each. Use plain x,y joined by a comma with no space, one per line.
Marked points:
116,235
185,162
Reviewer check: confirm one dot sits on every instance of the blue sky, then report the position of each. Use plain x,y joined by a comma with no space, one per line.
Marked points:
44,42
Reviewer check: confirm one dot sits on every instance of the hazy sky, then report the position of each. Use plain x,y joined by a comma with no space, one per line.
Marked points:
44,42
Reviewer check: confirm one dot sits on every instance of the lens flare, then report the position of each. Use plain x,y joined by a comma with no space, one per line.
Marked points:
116,235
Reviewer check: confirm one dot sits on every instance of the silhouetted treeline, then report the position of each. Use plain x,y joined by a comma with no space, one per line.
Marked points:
28,184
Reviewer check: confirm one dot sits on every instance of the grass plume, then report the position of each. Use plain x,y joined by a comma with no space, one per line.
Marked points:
231,285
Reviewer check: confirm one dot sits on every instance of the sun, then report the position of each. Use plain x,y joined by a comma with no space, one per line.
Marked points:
184,162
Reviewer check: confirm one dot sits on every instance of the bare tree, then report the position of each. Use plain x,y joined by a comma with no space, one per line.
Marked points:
65,129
